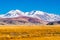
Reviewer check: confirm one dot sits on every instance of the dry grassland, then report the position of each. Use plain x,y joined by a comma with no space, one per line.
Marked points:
29,32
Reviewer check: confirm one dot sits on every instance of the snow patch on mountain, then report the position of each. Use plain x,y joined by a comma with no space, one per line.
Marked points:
35,14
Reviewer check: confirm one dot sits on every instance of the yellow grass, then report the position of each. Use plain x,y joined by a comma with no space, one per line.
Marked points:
29,32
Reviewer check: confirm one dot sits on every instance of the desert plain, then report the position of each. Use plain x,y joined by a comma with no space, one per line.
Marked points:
29,32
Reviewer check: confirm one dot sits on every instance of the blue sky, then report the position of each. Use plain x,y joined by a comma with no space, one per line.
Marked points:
50,6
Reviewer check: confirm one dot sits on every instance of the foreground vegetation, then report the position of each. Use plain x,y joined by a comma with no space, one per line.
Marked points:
29,32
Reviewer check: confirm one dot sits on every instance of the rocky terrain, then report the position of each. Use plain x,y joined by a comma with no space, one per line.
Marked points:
17,17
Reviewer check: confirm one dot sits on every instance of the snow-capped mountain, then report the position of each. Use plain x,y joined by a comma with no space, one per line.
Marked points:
31,16
12,14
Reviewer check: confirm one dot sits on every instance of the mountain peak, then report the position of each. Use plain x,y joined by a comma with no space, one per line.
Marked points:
13,13
34,14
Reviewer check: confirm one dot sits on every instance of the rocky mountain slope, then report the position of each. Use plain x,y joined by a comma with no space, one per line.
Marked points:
17,17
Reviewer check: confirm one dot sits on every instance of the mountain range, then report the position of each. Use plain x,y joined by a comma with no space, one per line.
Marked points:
17,17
